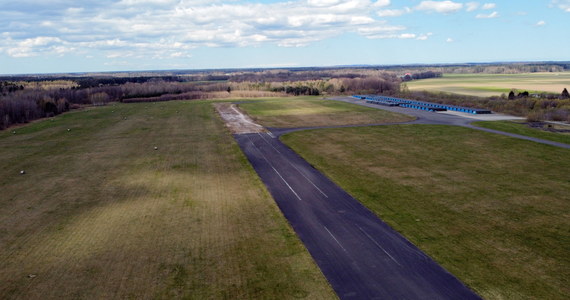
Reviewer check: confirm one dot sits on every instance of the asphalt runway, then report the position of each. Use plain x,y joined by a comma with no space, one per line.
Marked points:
360,255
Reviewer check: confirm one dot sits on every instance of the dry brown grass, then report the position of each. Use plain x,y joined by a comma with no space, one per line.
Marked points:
101,214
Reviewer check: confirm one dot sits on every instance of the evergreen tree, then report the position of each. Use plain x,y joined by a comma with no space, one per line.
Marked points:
511,95
565,94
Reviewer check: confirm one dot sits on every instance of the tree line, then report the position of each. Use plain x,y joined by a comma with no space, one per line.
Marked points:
551,108
25,98
41,97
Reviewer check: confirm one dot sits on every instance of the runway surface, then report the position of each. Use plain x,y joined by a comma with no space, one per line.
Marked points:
360,255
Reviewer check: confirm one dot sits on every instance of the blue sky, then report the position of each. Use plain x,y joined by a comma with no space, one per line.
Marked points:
54,36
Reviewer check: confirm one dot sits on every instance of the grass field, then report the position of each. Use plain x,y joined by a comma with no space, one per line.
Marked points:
101,214
312,111
523,129
493,210
486,85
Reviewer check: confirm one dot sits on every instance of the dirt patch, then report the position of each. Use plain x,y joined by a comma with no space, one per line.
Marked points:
237,121
548,127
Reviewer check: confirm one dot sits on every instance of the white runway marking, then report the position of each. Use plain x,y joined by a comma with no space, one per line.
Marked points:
304,176
335,239
279,174
292,190
375,242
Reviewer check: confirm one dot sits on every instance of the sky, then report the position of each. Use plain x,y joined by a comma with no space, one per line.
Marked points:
60,36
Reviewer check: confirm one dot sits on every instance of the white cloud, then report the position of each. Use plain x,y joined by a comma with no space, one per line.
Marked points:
540,23
142,2
173,28
562,4
445,7
33,46
323,3
488,6
394,36
381,3
381,32
449,40
393,12
471,6
407,36
423,37
488,16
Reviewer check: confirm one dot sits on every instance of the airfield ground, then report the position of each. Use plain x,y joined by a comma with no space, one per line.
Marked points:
559,133
491,209
312,111
100,214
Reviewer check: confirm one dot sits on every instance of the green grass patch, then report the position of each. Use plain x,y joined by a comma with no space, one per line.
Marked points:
312,111
492,210
523,129
101,214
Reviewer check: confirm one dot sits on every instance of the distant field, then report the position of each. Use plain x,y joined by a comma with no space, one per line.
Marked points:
486,85
100,214
523,129
312,111
492,210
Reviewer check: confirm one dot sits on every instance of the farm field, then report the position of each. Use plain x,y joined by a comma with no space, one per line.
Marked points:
486,85
523,129
492,210
101,214
312,111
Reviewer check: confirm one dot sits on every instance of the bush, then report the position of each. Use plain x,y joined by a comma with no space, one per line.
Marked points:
535,116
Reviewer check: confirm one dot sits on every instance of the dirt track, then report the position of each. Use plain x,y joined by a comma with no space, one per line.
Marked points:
237,121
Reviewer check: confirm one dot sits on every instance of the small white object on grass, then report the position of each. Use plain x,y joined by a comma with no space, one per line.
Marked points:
155,148
68,129
22,172
14,132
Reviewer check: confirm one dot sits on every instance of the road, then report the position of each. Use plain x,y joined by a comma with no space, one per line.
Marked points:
439,118
360,255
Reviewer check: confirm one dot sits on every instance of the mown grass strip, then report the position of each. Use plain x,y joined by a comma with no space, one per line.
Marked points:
101,214
313,111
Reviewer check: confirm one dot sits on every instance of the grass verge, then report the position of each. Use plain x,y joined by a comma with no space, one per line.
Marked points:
492,210
523,129
101,214
294,112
